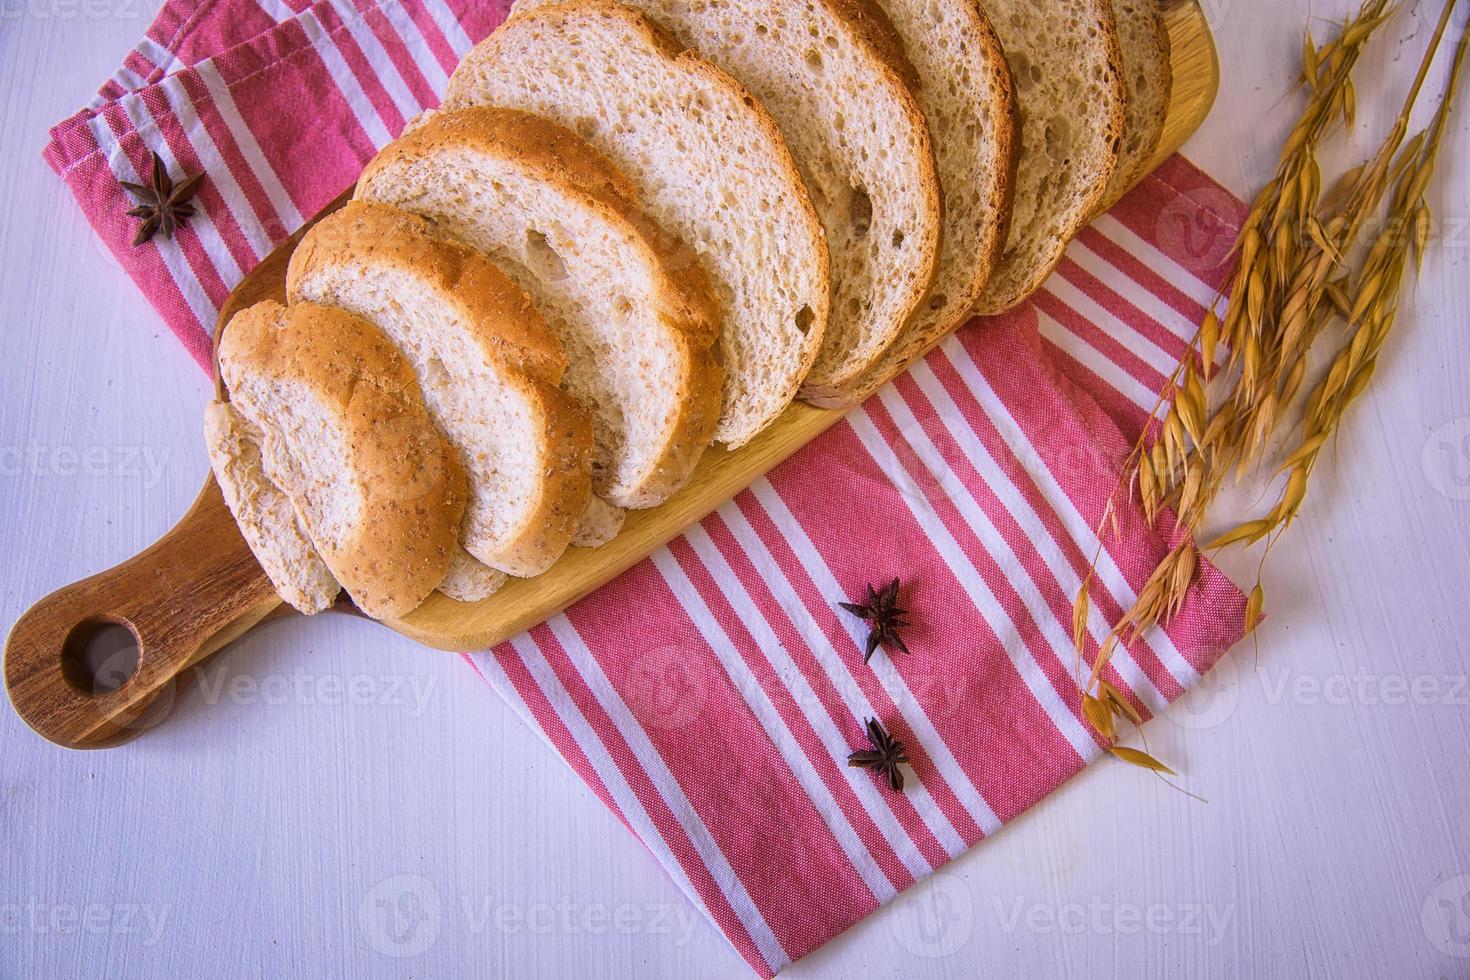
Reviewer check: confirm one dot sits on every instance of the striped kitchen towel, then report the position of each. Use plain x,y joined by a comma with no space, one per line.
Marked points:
711,695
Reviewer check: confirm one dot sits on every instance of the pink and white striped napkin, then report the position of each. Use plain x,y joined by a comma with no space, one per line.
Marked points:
710,695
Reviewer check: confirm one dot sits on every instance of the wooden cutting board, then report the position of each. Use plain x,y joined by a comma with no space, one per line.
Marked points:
199,588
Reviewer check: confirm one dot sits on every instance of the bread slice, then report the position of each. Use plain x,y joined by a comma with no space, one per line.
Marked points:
966,93
344,434
264,513
600,523
1148,79
709,165
836,81
1066,62
486,361
629,303
468,578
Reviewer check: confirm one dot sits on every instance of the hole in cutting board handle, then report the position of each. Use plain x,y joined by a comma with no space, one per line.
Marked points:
100,655
96,662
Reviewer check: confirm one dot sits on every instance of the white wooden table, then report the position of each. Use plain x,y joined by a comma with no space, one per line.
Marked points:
333,795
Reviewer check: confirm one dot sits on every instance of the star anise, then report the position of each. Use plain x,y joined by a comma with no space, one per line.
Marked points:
883,616
163,205
884,758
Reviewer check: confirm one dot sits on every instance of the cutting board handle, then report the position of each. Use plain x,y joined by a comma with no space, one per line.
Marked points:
194,590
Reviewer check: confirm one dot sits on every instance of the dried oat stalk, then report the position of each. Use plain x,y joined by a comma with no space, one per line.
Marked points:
1376,290
1298,272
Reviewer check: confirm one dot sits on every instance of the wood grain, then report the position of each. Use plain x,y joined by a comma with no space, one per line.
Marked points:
198,587
190,593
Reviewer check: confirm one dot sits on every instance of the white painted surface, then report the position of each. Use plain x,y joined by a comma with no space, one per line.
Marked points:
259,830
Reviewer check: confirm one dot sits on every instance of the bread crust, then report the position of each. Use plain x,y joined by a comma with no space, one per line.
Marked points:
502,318
874,32
873,25
875,44
1144,42
701,402
264,514
568,486
821,300
461,93
985,55
998,301
411,487
560,158
1008,137
501,322
566,159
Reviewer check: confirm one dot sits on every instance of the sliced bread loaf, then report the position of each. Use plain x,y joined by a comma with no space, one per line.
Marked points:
709,165
340,427
488,366
836,80
1065,61
966,94
1148,79
629,303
